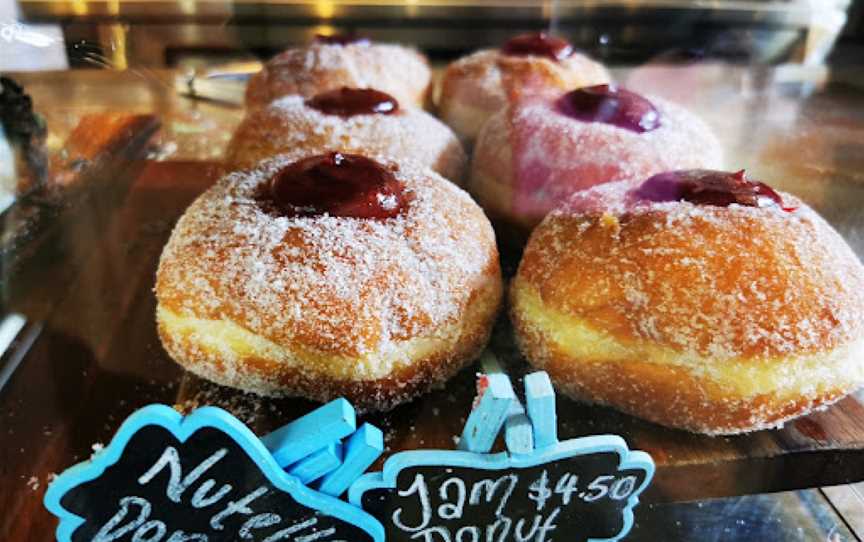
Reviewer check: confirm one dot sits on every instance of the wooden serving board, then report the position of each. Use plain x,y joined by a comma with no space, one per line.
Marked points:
90,356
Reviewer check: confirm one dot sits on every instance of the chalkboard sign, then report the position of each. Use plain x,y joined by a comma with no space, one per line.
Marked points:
577,490
203,477
539,490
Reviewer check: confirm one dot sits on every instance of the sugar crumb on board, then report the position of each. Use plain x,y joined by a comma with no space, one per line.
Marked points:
97,447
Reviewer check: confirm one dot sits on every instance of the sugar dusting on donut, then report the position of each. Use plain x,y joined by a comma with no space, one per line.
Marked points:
345,286
555,155
715,319
288,123
480,79
394,69
482,83
531,155
745,270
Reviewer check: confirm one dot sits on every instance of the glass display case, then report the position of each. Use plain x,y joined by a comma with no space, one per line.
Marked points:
118,115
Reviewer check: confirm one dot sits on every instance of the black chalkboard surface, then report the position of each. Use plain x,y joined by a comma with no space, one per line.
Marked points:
201,481
577,490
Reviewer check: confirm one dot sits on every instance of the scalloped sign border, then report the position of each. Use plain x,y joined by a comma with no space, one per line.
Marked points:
182,427
629,459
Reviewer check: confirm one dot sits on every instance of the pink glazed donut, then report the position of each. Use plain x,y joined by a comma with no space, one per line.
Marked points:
537,152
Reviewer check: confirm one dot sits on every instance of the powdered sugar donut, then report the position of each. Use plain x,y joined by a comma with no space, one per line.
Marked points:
362,121
477,86
327,276
534,154
697,300
330,63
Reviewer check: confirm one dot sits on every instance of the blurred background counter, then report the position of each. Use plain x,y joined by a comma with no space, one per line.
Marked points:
159,33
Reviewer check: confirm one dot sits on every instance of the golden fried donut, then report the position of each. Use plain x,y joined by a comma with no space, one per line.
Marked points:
697,300
329,63
534,154
362,121
326,276
475,87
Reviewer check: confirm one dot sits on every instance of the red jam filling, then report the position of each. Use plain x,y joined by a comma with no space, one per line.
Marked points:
337,184
347,102
341,39
709,187
611,105
540,44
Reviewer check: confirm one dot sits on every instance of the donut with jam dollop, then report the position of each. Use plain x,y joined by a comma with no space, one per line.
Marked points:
700,300
351,120
332,275
332,62
474,87
531,156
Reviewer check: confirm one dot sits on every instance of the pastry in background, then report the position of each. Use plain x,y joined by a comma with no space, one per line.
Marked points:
698,299
81,182
24,164
533,155
96,140
332,62
361,121
327,276
477,86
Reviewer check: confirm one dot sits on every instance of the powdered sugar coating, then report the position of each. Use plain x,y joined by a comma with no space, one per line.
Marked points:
289,124
481,82
399,71
356,290
718,320
530,156
731,283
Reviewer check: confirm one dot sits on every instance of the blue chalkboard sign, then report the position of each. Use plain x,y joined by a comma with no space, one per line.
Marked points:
538,490
206,477
203,477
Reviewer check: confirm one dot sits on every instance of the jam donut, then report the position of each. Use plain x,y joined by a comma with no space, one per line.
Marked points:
533,155
330,275
332,62
698,299
476,86
363,121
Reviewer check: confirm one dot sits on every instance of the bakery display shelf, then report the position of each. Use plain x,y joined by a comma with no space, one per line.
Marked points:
87,354
97,358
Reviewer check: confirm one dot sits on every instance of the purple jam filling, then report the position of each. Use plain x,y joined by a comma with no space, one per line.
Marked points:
708,187
611,105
